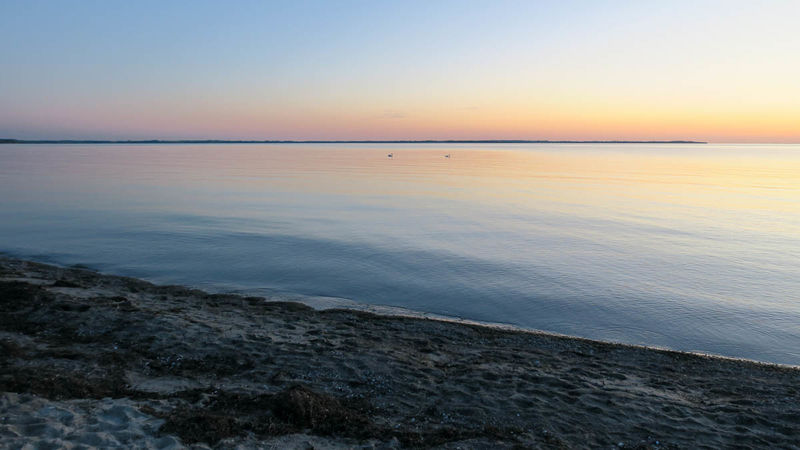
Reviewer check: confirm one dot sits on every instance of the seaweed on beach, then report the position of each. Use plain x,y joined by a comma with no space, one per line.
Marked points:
299,409
61,385
292,410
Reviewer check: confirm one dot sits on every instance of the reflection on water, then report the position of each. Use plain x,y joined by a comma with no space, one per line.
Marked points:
693,247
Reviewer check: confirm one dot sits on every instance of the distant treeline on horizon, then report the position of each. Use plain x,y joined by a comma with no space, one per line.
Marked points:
428,141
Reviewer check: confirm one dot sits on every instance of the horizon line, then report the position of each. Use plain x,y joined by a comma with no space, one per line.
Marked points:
340,141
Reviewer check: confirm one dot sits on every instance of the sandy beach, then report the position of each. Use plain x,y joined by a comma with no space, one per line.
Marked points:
98,360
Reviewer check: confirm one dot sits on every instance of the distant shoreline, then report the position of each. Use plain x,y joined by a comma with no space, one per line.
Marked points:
224,141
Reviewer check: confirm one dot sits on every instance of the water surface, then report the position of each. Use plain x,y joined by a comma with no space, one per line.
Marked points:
692,247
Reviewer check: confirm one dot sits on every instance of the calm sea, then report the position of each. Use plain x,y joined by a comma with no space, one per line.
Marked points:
691,247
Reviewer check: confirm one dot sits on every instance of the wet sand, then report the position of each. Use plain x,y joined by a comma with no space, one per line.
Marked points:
98,360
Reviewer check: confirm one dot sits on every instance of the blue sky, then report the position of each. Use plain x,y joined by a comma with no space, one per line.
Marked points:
307,70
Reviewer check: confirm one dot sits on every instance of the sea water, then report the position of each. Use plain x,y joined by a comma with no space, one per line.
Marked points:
687,246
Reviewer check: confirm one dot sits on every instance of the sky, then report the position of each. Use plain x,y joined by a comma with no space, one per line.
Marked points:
719,71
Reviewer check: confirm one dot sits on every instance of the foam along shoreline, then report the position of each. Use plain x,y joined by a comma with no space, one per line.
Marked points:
321,303
92,359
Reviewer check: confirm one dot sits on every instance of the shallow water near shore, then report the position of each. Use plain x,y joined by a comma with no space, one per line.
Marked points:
690,247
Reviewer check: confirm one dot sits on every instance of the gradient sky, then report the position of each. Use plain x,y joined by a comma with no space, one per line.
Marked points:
722,71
